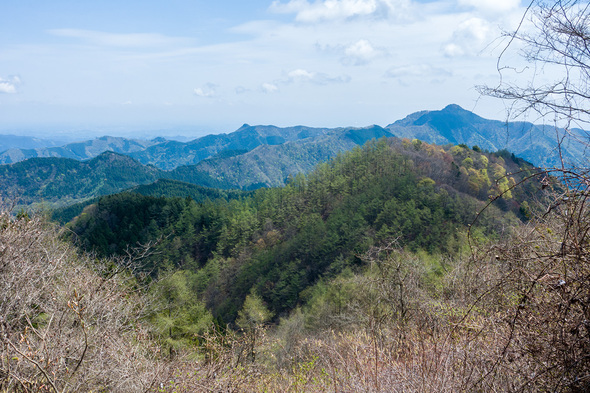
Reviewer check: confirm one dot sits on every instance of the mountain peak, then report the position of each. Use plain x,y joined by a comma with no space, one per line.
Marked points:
453,108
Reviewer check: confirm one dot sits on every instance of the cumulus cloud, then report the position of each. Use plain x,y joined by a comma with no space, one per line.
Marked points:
360,53
138,40
320,10
209,90
8,86
491,6
469,38
301,76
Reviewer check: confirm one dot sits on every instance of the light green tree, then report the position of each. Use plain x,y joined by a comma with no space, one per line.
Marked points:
178,316
251,320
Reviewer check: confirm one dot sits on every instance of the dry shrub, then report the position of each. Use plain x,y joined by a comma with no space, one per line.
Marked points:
545,293
67,323
223,367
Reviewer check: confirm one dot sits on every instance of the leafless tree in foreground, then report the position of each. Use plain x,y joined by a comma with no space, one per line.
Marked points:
544,339
554,39
66,324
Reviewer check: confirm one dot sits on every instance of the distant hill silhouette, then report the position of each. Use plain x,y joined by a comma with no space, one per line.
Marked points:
453,124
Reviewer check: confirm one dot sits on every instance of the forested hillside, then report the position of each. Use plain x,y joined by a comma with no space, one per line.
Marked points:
65,181
280,241
159,188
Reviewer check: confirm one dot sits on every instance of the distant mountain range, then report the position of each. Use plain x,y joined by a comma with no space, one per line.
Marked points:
453,124
78,150
171,154
252,156
270,165
25,142
63,181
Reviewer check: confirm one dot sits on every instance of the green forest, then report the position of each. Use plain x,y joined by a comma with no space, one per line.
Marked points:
279,242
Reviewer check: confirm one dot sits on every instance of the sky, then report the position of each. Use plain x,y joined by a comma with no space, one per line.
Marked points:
194,67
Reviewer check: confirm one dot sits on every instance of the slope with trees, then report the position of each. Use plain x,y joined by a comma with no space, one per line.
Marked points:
280,241
65,180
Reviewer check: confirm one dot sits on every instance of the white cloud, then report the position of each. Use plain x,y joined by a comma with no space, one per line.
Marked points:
8,86
359,53
209,90
470,38
303,76
269,88
137,40
338,9
300,75
491,6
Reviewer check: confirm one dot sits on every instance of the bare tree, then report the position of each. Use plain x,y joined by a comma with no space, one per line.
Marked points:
67,323
544,341
553,37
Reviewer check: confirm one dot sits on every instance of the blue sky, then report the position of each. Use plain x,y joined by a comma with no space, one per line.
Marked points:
197,67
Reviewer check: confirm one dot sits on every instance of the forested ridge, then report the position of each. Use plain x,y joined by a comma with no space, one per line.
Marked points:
279,242
66,180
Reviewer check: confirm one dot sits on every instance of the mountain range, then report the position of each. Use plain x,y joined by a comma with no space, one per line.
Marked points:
26,142
63,181
78,150
453,124
253,156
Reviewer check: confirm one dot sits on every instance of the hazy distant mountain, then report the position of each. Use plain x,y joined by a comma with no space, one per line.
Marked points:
452,124
64,180
270,165
172,154
456,125
79,150
25,142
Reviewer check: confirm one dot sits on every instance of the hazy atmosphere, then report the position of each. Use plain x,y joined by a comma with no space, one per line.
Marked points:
195,67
